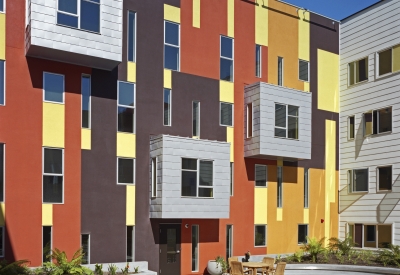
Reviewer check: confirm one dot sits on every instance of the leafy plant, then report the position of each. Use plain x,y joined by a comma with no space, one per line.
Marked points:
390,255
112,269
125,270
14,268
221,262
325,256
136,269
344,245
98,269
298,255
278,258
365,256
339,256
314,247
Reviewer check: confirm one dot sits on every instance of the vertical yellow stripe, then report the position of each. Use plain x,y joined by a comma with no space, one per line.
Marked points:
304,35
231,18
167,79
330,174
230,138
47,214
328,81
3,214
86,139
131,77
226,91
196,13
2,36
279,214
306,216
262,23
53,124
130,204
260,205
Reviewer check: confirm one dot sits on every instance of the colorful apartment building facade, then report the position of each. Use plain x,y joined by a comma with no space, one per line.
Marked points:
167,131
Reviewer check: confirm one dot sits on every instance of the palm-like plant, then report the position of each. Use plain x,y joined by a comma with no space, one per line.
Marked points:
17,267
314,247
343,246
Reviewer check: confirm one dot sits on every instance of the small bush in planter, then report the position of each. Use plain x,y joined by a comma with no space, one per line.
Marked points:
222,263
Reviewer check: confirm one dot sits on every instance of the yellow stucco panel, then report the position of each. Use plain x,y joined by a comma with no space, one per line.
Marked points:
131,77
47,214
230,138
3,214
226,91
330,172
304,35
328,81
86,139
231,18
167,79
260,205
172,13
279,214
396,58
130,204
2,36
53,124
126,145
306,216
196,14
262,23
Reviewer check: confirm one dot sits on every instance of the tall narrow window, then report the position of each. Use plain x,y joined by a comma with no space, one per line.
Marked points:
261,175
171,45
53,85
53,175
385,178
167,107
2,234
195,248
258,60
197,178
370,233
196,119
226,115
130,243
2,82
249,120
280,187
229,241
260,235
304,70
280,71
85,244
2,5
306,187
131,36
126,170
226,59
231,179
358,71
351,127
154,177
126,107
85,90
2,168
47,243
302,233
90,15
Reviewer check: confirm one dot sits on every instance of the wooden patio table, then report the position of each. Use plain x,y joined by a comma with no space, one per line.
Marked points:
254,265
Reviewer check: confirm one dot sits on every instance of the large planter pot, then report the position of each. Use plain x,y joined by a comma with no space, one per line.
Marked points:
213,269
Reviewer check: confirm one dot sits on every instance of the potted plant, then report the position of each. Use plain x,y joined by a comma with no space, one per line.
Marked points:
217,266
247,256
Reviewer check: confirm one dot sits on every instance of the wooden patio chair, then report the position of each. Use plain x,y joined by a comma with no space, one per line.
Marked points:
270,261
280,269
237,268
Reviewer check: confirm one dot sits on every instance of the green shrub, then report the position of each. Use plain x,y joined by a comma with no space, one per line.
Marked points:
98,269
14,268
389,256
314,248
112,269
344,245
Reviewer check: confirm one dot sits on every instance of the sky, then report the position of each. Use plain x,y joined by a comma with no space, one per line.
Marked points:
335,9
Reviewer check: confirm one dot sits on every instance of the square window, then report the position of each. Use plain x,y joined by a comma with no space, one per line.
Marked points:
197,178
261,175
302,233
378,121
286,121
385,178
226,115
87,17
358,180
53,85
260,235
126,171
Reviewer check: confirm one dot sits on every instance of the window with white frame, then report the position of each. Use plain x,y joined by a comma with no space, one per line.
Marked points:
53,175
2,82
260,235
2,168
85,91
197,178
306,187
389,61
378,121
195,247
154,177
226,114
358,71
280,71
279,188
350,127
371,235
231,178
126,107
304,70
196,118
286,121
2,2
260,175
47,243
80,14
249,110
171,45
302,233
53,86
126,170
384,178
132,36
226,58
167,107
85,244
357,180
258,60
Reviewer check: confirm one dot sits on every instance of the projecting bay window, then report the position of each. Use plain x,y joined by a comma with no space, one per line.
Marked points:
53,175
286,121
389,61
384,178
197,178
279,188
350,127
131,36
195,247
249,132
167,107
258,60
357,180
378,121
2,82
126,107
2,168
260,175
171,45
226,59
280,71
358,71
85,244
53,86
304,70
306,187
154,177
226,114
260,235
126,170
86,101
196,119
80,14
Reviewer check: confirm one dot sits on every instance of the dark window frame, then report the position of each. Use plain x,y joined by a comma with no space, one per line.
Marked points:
299,242
265,235
257,182
374,117
133,170
378,177
308,70
221,117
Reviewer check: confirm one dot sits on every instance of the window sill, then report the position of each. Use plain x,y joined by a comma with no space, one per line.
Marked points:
377,78
383,191
128,184
306,81
52,202
379,134
358,192
260,186
66,26
126,132
357,84
54,102
230,126
260,246
187,197
295,139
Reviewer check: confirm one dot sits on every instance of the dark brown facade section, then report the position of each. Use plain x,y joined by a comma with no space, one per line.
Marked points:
103,201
